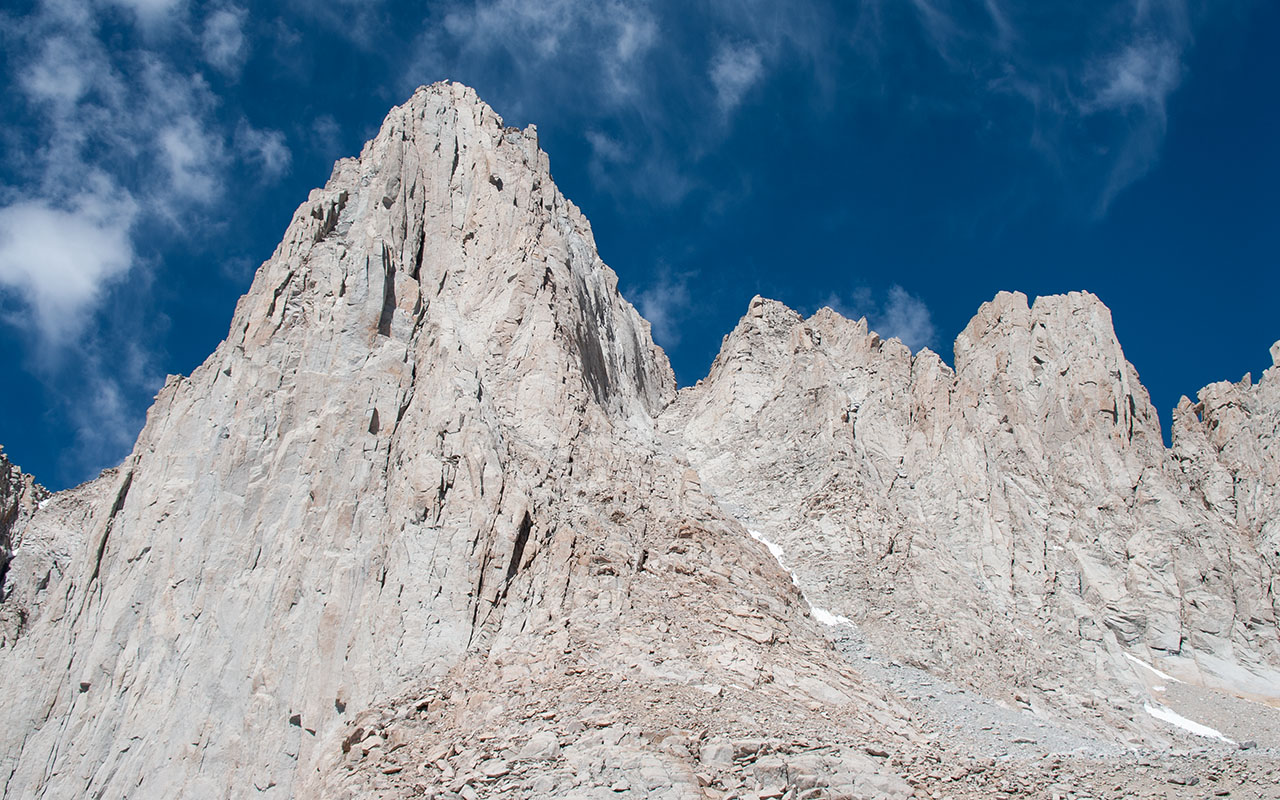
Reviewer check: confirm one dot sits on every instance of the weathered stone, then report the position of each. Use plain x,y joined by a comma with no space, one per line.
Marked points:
542,745
1015,517
716,754
433,521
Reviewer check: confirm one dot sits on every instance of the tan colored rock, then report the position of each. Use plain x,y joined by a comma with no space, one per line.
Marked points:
1014,519
418,486
433,521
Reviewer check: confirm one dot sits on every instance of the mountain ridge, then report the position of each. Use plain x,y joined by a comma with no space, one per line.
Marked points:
437,489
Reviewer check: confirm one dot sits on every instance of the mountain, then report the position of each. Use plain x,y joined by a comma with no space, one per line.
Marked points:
433,520
1015,523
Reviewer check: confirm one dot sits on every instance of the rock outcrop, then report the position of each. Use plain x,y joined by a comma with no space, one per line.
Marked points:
418,482
23,550
434,521
1016,523
1228,445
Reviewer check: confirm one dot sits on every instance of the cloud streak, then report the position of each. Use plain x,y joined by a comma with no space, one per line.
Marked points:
665,303
1094,83
58,260
114,139
223,39
734,70
898,315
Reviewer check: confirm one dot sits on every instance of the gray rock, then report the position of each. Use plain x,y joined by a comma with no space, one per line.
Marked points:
434,521
542,745
1016,517
716,754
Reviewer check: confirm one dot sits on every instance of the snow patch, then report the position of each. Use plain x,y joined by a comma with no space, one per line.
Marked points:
773,548
1174,718
1150,668
820,614
826,617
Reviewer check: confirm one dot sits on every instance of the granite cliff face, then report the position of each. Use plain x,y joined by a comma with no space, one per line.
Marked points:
1015,523
421,467
434,520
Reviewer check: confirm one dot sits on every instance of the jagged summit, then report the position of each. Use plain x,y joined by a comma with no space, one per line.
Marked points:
434,521
416,491
450,198
950,512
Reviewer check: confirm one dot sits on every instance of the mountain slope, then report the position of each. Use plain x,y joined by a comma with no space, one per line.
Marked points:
426,443
1015,524
434,521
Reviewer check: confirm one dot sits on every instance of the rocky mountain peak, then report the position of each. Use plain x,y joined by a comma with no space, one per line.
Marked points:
447,206
433,521
418,490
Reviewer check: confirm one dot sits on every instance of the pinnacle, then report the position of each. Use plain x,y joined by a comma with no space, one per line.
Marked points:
434,520
444,94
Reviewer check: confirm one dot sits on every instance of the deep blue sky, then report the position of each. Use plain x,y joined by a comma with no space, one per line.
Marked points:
902,159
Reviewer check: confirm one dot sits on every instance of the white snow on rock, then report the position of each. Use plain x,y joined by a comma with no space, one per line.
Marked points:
1174,718
820,614
1150,668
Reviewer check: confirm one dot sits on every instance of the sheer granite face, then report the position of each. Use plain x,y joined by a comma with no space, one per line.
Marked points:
434,521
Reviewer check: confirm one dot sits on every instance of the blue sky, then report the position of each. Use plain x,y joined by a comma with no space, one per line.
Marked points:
899,159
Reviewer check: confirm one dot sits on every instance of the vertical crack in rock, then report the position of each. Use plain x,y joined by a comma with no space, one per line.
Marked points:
388,293
517,550
116,507
418,252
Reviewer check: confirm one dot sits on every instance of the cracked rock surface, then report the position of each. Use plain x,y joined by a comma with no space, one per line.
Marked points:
434,521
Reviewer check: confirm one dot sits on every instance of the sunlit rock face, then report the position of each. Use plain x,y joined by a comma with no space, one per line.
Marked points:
1015,523
433,520
424,456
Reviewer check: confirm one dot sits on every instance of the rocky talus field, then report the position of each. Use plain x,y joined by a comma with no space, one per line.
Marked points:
434,521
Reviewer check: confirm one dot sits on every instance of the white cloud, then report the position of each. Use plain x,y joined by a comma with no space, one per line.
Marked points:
940,26
1134,84
110,396
734,70
606,153
1095,81
1143,74
223,40
60,74
631,70
901,315
665,304
648,174
58,260
1005,33
148,10
108,132
592,52
193,158
906,317
267,148
326,136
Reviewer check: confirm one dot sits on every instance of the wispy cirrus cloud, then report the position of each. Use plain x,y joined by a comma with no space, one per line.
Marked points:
107,127
544,44
267,149
895,313
650,85
110,131
149,11
665,303
734,70
223,40
1094,78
